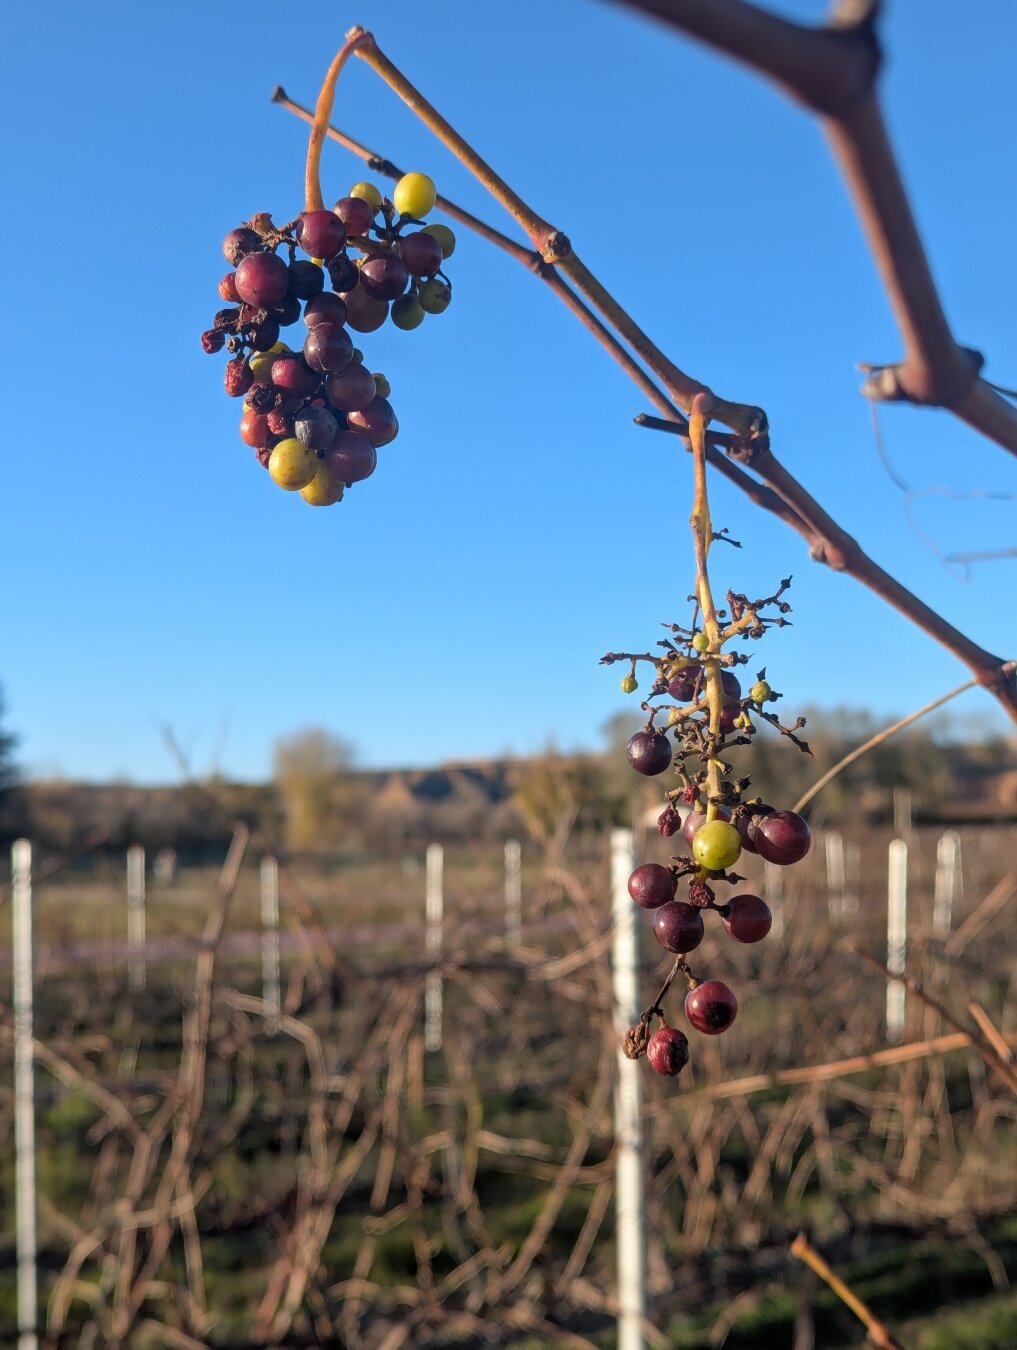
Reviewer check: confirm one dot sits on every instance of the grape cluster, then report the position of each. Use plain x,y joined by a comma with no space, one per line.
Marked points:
722,821
315,416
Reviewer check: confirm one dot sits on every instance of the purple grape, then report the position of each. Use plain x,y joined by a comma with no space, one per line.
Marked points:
682,684
353,389
288,312
355,214
748,918
226,320
732,686
711,1007
315,427
678,927
328,349
291,374
782,837
263,279
343,273
351,457
261,397
384,276
321,234
377,421
265,335
651,885
649,752
306,279
668,1051
365,312
239,243
421,253
325,308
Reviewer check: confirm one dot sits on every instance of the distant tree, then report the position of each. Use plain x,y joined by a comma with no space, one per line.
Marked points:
8,770
311,774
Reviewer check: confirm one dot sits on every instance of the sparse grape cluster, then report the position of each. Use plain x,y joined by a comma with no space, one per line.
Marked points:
721,821
315,416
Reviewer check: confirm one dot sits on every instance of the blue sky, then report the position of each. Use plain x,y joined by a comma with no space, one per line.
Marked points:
456,604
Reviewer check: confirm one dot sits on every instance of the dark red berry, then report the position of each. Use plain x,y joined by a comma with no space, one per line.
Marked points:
669,822
343,273
254,429
316,427
321,234
325,308
238,377
263,279
711,1007
421,253
292,375
668,1051
651,885
261,397
384,276
377,421
682,685
353,389
306,279
678,927
782,837
228,288
649,752
328,348
280,423
212,340
265,335
239,243
288,312
732,687
355,214
263,454
226,320
748,918
700,894
351,458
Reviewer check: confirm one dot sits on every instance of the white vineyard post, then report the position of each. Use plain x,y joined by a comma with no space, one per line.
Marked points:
630,1203
24,1095
774,897
434,913
835,875
271,989
949,882
136,971
896,938
903,815
513,894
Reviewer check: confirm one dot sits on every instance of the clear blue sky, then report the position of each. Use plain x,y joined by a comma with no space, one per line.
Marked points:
457,603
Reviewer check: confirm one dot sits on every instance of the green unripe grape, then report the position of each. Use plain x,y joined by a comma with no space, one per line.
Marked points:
445,238
435,296
716,845
701,643
382,386
406,313
760,692
629,685
414,195
292,465
368,193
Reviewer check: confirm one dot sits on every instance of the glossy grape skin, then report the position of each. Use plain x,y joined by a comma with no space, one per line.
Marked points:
364,312
384,276
263,279
315,427
292,465
355,213
695,821
668,1051
421,253
649,752
716,845
711,1007
351,458
782,837
435,296
239,243
732,686
446,239
682,684
406,313
678,926
351,389
306,279
328,349
326,307
324,489
254,429
377,421
651,885
414,195
321,234
292,375
748,918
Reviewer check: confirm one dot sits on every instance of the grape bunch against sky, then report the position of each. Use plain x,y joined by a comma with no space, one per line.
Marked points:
151,575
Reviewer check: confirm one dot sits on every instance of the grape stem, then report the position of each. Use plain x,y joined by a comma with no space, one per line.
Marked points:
702,535
313,200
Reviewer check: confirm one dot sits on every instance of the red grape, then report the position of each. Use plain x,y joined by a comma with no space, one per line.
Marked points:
328,348
239,243
352,389
421,253
748,918
365,312
254,429
377,421
263,279
651,885
325,307
384,276
228,288
293,376
711,1007
678,927
668,1051
649,752
351,457
238,377
321,234
355,213
782,837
